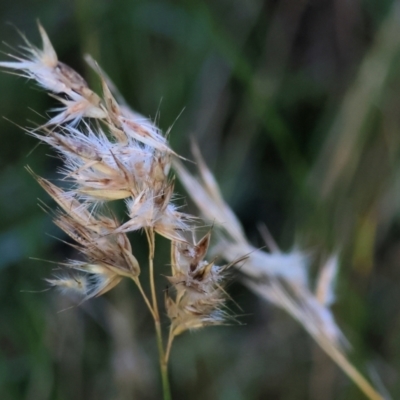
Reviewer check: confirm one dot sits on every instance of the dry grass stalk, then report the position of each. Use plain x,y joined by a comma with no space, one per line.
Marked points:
280,278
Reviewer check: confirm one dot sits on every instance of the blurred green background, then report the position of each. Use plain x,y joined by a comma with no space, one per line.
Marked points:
296,107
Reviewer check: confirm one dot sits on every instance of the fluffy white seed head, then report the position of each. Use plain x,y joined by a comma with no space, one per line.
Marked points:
121,155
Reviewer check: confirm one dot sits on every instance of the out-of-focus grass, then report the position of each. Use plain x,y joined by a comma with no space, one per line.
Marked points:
296,108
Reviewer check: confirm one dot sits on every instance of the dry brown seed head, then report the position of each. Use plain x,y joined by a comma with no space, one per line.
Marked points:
187,312
112,250
92,281
66,201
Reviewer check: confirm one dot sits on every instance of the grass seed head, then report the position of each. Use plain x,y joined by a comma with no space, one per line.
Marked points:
199,295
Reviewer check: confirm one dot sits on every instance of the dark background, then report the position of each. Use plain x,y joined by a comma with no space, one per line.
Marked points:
296,107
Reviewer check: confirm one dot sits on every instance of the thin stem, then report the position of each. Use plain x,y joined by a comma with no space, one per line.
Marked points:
163,363
151,240
171,337
145,298
350,371
156,315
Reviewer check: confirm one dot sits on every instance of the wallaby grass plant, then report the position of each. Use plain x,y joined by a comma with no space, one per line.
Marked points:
110,153
130,160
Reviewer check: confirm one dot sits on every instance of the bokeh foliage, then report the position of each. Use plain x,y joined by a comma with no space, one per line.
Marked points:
295,105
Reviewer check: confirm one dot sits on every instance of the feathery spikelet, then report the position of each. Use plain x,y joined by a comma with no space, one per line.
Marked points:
261,267
92,281
43,66
124,157
109,255
277,277
198,284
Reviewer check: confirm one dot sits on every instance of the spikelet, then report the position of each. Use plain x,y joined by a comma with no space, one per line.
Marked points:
92,281
277,277
289,269
123,157
199,295
109,256
43,66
